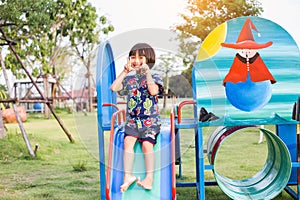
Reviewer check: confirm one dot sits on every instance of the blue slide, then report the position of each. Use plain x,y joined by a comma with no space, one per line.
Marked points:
162,185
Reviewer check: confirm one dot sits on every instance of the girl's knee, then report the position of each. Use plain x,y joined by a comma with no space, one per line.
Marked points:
147,147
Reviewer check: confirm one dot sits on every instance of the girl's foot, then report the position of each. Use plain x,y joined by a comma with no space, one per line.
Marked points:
127,183
146,183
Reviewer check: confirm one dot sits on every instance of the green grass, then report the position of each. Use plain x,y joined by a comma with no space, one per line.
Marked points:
61,170
64,170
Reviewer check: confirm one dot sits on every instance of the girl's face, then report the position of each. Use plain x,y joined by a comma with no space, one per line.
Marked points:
136,61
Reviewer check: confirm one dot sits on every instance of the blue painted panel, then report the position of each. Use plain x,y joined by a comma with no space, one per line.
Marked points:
282,59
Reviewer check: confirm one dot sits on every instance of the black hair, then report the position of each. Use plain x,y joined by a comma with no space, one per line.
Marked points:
146,50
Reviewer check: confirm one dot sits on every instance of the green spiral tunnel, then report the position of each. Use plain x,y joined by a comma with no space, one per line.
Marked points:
266,183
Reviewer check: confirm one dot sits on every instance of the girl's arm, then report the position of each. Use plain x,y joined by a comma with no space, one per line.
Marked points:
117,84
152,86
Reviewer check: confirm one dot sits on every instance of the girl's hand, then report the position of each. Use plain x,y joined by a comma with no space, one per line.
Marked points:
144,69
127,67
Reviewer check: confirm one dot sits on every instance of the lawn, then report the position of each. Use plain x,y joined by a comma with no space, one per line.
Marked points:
64,170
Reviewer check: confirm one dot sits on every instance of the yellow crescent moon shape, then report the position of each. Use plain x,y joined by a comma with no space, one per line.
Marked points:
212,42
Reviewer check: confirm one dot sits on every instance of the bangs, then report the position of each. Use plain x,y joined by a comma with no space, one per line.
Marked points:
141,52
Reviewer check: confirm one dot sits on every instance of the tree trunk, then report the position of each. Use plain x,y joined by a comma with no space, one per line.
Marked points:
167,91
90,101
2,127
46,92
54,90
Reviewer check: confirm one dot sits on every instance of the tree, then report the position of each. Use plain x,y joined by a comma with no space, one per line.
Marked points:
34,30
85,37
180,86
202,17
19,21
22,24
67,24
169,65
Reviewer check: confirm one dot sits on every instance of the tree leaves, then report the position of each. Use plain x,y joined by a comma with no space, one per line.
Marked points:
40,28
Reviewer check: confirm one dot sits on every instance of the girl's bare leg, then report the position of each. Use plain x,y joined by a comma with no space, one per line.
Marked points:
149,162
128,160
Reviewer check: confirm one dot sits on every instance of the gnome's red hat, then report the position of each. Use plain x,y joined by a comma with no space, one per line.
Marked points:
246,39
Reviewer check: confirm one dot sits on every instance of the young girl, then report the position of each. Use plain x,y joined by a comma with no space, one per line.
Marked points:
142,114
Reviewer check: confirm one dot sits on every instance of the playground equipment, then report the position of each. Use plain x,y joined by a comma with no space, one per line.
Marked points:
277,168
110,118
280,170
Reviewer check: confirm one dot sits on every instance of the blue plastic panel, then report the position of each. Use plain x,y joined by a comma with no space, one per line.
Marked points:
162,186
106,74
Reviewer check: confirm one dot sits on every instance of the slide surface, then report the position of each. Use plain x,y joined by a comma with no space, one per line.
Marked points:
162,185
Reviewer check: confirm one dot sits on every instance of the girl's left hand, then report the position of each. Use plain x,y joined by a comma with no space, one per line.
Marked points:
144,69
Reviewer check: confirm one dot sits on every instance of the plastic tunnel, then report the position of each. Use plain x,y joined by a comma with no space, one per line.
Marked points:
266,183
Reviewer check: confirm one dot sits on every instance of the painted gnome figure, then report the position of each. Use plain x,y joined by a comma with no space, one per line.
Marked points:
248,80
